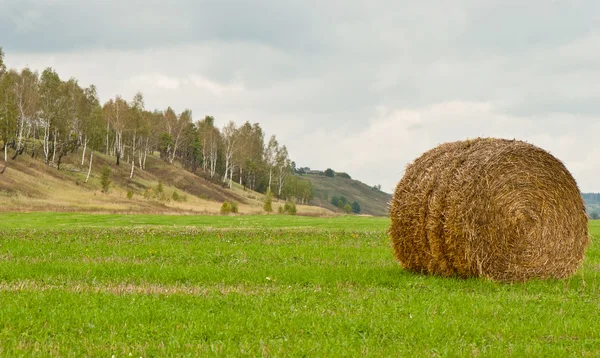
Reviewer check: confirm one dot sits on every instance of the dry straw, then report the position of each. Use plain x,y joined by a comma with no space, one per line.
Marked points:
494,208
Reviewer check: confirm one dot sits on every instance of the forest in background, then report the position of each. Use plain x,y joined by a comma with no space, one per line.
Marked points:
46,117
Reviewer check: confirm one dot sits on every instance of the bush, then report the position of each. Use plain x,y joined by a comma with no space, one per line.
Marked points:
347,208
280,210
129,194
175,196
229,207
594,215
148,193
268,207
329,173
105,178
356,207
290,208
226,208
159,189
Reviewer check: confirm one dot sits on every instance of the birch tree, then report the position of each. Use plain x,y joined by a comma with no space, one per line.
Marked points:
283,168
230,137
26,95
271,157
115,114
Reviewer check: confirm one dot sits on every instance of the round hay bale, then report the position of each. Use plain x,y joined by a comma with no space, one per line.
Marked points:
495,208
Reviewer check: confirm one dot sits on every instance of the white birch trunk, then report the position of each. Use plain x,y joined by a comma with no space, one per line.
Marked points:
84,148
132,156
90,168
54,148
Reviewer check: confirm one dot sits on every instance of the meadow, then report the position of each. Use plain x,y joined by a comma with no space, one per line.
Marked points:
143,285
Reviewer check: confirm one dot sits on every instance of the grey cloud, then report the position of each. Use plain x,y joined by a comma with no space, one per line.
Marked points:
326,67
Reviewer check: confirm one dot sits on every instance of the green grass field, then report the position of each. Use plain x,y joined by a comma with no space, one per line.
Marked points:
102,285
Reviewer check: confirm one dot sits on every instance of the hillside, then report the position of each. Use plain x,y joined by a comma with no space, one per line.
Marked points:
31,185
372,202
592,202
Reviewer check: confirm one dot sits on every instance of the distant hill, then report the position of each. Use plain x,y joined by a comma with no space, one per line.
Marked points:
371,201
592,202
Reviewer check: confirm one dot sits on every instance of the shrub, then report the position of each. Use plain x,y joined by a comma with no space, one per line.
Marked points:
148,194
229,207
159,189
356,207
226,208
347,209
105,178
129,194
280,210
175,196
268,205
290,207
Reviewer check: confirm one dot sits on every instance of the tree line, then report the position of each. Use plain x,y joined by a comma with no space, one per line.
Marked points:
44,116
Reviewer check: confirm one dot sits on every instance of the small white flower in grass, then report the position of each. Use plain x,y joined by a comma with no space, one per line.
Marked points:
268,278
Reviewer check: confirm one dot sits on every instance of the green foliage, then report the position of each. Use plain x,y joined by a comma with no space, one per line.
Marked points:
229,207
105,180
280,210
594,215
165,145
226,208
335,201
268,204
130,194
347,208
339,202
356,207
343,175
290,208
175,196
329,173
159,189
298,189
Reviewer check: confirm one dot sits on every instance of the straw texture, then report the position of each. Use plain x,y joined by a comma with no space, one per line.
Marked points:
494,208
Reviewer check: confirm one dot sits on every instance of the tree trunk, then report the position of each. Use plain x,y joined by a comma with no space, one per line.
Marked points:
240,175
5,156
107,132
90,168
231,178
132,167
84,148
270,176
54,147
47,142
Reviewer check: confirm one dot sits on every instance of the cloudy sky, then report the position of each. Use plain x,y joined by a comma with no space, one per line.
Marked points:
362,87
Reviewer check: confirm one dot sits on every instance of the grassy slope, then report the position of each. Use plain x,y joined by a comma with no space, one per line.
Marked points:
371,202
283,292
30,185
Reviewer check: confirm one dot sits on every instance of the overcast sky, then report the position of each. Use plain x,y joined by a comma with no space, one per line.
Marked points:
362,87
